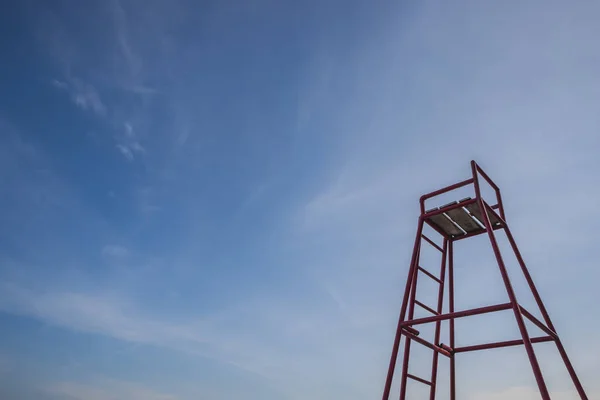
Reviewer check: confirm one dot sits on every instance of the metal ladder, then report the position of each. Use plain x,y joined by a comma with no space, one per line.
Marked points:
413,334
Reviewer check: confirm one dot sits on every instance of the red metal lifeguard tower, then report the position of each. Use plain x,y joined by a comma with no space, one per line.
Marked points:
457,221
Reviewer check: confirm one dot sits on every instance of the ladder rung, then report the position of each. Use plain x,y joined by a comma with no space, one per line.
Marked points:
431,310
431,242
429,274
416,378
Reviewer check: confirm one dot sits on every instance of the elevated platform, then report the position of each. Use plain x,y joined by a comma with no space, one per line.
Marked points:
461,218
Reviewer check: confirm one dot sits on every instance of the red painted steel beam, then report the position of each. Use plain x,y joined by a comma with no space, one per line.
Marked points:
451,322
431,242
458,314
571,370
507,343
411,330
447,348
510,291
429,274
416,378
426,343
547,319
486,177
441,191
494,213
494,186
425,307
529,279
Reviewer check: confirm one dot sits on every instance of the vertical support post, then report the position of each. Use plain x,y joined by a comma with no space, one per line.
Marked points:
545,314
451,321
411,273
511,294
438,324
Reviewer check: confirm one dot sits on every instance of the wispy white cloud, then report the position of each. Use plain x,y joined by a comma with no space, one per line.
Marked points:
126,151
137,147
132,60
128,142
83,94
124,72
213,336
104,314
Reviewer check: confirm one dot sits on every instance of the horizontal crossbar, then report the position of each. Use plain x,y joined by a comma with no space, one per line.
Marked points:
501,344
441,191
447,348
458,314
425,343
416,378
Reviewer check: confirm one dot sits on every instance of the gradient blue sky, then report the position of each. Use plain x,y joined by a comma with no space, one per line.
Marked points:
216,200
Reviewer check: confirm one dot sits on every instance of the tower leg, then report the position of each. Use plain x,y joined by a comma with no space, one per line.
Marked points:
518,316
509,290
571,370
545,314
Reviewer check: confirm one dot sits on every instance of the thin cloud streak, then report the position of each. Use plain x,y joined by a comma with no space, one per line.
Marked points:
99,314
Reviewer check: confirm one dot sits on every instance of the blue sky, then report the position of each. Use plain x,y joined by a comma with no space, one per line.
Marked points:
217,200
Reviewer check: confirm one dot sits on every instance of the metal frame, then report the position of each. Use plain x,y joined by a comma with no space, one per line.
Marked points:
407,323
